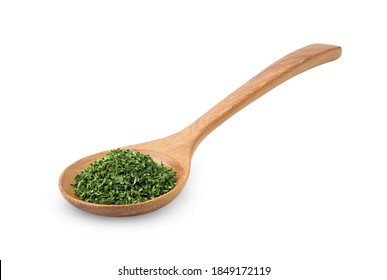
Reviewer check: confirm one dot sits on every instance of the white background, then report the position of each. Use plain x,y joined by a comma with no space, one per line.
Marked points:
296,181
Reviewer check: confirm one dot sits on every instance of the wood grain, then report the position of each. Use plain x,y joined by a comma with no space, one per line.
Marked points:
182,145
177,150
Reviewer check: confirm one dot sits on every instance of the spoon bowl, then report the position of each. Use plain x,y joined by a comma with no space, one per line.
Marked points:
67,190
176,150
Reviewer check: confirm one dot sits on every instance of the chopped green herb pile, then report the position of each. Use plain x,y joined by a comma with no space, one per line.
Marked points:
123,177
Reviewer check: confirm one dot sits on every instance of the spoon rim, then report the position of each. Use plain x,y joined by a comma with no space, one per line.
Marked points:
67,189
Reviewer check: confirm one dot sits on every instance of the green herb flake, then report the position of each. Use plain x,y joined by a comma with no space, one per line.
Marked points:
123,177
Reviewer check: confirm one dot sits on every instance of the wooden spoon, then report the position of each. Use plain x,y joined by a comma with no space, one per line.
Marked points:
176,150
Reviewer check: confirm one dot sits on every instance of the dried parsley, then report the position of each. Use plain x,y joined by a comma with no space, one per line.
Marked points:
123,177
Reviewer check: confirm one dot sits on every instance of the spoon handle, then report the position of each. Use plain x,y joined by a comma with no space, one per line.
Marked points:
280,71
